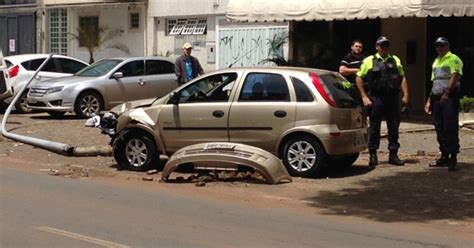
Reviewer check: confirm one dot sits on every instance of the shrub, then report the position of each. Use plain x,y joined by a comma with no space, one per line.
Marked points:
466,103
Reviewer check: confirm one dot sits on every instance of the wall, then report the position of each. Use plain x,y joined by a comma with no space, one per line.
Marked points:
167,8
403,30
112,17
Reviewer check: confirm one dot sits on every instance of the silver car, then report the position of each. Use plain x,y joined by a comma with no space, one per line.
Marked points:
103,85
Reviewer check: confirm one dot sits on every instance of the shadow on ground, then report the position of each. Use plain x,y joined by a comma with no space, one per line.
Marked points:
407,196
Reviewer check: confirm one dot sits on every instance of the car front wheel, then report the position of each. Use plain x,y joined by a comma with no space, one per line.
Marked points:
136,151
302,156
88,103
21,106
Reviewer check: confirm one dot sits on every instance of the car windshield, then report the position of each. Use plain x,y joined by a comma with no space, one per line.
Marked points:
99,68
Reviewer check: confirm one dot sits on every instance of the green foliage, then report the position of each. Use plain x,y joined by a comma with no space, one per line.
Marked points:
466,103
94,40
167,54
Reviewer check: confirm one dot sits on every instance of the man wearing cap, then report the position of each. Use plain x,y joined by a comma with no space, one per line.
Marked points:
443,102
187,67
384,75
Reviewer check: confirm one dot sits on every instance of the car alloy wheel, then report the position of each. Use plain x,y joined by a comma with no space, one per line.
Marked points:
87,104
303,156
136,152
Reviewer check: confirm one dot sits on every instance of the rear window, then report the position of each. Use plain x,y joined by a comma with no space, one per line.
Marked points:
343,92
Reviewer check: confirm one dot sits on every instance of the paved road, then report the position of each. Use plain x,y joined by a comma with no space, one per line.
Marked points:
38,210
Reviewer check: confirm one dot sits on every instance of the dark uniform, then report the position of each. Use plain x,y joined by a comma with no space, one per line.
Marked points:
446,113
383,77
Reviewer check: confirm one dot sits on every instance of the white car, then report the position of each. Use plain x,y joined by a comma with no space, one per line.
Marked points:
5,88
22,67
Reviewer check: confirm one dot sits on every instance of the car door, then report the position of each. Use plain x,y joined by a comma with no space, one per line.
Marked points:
262,112
133,84
200,114
160,77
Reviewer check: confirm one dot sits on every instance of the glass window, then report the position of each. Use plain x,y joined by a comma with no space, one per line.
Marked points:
133,69
265,87
134,20
32,65
343,96
58,31
70,66
99,68
303,94
89,25
215,88
51,65
153,67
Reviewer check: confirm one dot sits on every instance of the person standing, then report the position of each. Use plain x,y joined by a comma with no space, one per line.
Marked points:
350,64
187,67
443,103
385,77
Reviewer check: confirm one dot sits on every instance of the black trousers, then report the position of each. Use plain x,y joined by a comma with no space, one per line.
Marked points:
446,122
387,106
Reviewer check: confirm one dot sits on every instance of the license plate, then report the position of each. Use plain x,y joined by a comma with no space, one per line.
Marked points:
360,139
32,101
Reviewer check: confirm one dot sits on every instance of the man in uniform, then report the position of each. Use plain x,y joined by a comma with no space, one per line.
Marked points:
444,103
384,75
187,67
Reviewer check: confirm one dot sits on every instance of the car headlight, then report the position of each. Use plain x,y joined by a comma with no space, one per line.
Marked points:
54,89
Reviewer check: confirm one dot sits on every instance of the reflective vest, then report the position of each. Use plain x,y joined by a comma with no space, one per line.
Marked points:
443,68
383,76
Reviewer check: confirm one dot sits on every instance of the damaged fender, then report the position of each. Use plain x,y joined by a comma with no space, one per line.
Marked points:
228,156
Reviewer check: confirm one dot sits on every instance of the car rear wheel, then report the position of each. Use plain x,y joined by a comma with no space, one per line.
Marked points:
88,103
21,106
56,114
137,152
303,156
342,161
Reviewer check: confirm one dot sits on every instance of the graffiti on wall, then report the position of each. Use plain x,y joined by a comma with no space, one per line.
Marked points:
245,47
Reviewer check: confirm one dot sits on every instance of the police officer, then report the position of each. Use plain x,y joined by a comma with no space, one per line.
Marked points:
444,103
384,75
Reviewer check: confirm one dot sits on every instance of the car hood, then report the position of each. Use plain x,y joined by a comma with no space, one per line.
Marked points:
64,81
121,108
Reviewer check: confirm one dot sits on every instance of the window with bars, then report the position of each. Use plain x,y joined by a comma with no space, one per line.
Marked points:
134,20
58,31
90,25
192,26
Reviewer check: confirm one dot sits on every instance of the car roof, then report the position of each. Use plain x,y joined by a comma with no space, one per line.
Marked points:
138,58
16,59
277,69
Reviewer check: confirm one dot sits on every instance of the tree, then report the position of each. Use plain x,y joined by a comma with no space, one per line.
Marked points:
95,40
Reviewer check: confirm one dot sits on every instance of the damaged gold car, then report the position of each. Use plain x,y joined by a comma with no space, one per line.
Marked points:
306,117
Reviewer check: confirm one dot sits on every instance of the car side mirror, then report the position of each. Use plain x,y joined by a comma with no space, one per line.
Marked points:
174,98
117,75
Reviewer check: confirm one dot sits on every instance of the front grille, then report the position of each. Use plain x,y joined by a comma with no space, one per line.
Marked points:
38,91
37,104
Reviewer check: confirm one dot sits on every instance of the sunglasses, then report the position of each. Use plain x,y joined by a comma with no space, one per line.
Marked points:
440,45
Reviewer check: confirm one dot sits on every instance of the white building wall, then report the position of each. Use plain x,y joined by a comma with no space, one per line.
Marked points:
113,17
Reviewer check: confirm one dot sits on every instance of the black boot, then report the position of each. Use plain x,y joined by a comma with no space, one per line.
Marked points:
452,162
373,160
441,161
394,159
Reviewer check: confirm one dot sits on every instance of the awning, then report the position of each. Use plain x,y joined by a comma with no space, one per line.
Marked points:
298,10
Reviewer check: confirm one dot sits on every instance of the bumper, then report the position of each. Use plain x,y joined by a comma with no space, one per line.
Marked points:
50,102
346,142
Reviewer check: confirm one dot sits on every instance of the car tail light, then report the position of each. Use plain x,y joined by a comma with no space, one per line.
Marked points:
12,72
322,89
